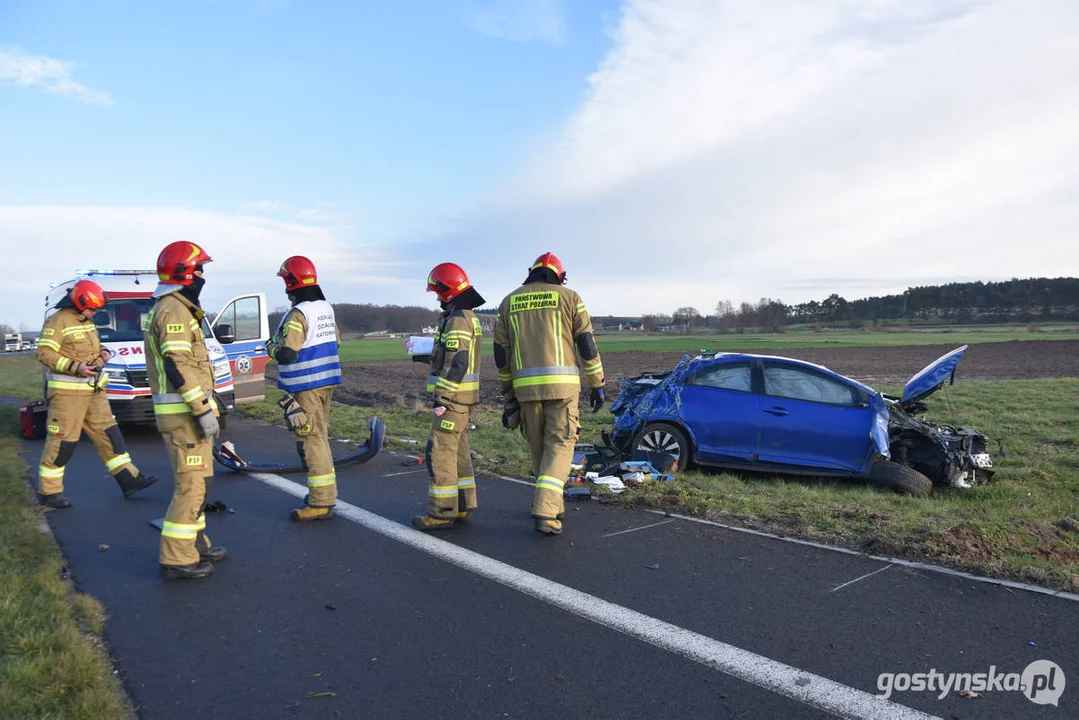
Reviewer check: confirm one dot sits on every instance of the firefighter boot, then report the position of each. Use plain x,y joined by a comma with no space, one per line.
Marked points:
54,500
214,555
464,517
549,526
187,572
311,514
131,484
426,522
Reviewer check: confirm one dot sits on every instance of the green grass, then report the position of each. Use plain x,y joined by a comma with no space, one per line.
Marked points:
52,660
1023,525
393,348
20,376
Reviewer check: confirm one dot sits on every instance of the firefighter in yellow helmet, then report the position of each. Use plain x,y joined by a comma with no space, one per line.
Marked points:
181,380
454,383
71,352
305,348
541,330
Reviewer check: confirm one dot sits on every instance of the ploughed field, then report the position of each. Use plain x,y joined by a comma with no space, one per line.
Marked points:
402,382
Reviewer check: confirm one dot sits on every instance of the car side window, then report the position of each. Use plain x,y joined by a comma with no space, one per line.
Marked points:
728,376
804,384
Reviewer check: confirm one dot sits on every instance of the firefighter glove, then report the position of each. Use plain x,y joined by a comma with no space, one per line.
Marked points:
596,398
294,415
271,348
209,425
511,415
100,380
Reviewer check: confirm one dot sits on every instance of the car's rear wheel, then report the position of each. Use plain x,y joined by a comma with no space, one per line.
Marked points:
900,478
665,438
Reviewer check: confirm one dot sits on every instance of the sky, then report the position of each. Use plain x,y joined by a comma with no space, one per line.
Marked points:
671,152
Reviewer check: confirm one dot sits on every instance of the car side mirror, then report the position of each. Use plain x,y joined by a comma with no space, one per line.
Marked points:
224,334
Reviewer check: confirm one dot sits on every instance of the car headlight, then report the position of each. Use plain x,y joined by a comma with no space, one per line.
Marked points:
221,368
117,375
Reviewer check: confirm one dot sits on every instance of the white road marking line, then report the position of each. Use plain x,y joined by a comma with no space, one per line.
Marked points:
644,527
405,472
1063,595
772,675
878,570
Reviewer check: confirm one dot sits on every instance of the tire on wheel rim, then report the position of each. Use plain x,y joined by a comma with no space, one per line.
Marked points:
902,479
665,438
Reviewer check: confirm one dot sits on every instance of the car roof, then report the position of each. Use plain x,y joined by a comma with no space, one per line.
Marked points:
735,356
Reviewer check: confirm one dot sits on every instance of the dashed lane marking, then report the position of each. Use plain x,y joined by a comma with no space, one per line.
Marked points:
813,690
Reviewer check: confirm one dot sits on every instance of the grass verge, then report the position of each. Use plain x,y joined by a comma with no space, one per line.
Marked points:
1024,525
53,663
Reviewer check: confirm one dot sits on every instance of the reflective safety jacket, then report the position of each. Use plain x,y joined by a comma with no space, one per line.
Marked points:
310,329
539,329
178,365
68,339
455,359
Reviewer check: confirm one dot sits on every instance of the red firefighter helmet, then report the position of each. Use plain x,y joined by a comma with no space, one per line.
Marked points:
177,262
88,295
551,262
447,281
298,272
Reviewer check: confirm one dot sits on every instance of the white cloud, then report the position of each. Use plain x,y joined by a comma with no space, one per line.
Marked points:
520,20
47,74
739,150
47,244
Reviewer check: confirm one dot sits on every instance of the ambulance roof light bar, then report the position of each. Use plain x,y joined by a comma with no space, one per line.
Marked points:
94,271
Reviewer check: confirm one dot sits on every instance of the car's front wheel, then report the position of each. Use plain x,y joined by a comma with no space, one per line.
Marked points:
665,438
900,478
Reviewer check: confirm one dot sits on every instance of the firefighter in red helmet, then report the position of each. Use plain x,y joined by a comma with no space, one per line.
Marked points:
71,352
305,348
541,330
181,381
454,384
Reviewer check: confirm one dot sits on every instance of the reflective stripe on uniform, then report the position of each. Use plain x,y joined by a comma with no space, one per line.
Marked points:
51,344
175,346
443,491
593,367
53,473
171,408
466,482
118,462
181,531
163,398
546,380
547,370
192,394
75,329
70,385
548,482
321,480
58,377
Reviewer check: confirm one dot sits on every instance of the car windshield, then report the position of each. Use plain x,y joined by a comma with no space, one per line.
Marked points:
121,319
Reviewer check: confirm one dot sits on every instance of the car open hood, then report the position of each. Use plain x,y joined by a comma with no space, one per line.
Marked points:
932,376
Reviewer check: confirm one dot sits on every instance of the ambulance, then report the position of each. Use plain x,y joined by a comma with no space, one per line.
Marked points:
236,341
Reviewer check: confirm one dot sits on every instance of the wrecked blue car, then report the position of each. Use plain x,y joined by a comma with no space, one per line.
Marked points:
779,415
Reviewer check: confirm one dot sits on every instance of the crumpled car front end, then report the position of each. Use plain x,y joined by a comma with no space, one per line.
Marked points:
946,454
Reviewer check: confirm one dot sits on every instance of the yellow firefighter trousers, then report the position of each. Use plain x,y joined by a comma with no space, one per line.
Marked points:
449,464
183,536
71,413
321,476
550,426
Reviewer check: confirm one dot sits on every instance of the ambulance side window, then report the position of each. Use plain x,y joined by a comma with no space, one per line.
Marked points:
244,316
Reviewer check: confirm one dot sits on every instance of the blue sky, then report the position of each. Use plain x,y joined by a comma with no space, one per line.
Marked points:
672,152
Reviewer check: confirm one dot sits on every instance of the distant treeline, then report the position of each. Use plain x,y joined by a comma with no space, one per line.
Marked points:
1010,301
1024,301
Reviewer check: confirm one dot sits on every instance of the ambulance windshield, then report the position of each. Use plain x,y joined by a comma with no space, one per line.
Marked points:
121,319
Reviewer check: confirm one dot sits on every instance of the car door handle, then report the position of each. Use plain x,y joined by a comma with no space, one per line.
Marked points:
776,411
260,348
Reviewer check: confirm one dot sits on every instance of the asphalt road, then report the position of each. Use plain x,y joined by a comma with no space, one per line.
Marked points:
625,615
